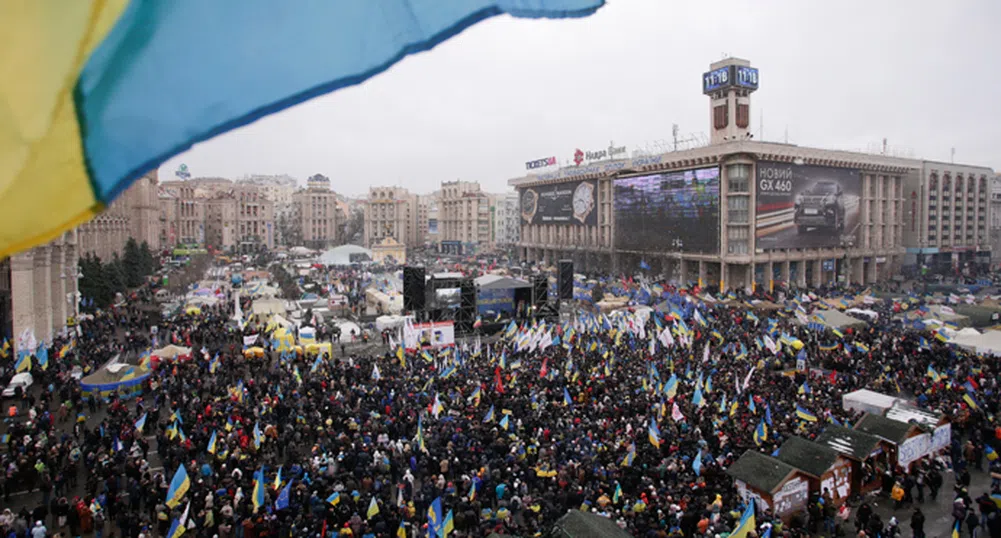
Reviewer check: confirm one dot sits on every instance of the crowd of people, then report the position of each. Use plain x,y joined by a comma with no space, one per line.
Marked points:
602,413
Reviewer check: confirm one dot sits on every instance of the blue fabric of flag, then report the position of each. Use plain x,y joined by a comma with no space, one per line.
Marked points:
222,64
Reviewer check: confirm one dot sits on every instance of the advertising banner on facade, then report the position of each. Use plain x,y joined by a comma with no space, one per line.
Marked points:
566,203
671,211
803,206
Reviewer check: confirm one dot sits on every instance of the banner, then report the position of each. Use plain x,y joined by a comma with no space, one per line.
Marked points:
435,334
249,340
800,206
566,203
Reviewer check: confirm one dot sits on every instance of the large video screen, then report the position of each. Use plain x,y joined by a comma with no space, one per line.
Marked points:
574,202
671,211
447,298
801,206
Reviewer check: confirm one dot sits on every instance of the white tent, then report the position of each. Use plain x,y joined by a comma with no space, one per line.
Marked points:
988,343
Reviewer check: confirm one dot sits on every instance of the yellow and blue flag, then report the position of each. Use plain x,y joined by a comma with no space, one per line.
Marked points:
746,524
334,498
435,521
179,486
257,493
653,434
258,436
448,526
211,446
141,423
805,414
760,433
420,435
490,415
180,524
82,91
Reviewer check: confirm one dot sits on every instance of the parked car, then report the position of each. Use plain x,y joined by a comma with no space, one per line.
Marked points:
822,206
22,380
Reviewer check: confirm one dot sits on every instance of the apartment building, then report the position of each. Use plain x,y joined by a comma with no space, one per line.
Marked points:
182,215
136,213
317,214
391,212
464,217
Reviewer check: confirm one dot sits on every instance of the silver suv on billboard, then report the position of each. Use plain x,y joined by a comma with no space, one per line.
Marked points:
822,206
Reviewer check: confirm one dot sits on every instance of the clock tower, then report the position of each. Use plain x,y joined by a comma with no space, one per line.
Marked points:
729,84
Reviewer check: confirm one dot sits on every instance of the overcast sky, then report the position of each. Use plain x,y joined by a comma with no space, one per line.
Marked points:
921,73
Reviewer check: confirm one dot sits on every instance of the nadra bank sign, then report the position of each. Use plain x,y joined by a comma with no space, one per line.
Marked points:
581,156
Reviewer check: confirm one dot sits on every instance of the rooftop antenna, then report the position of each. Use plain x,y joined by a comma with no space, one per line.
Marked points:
952,155
674,133
761,124
787,134
883,152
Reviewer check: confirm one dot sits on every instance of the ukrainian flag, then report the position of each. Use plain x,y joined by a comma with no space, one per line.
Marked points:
373,509
334,498
653,434
141,423
990,453
211,447
257,494
760,433
178,487
420,435
971,401
956,529
179,525
23,363
671,389
805,414
746,524
83,120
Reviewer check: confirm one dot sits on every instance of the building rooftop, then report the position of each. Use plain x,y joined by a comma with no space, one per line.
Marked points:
852,443
760,471
884,428
812,458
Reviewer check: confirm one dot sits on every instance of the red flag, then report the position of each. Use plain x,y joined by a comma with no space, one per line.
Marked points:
545,368
497,380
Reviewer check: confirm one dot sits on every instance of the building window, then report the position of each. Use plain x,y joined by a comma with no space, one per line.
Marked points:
737,177
737,212
721,116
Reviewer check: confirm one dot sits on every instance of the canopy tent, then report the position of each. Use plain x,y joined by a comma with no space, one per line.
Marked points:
283,338
988,343
837,320
172,352
345,255
319,348
267,307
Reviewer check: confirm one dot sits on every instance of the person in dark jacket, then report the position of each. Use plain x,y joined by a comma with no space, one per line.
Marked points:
918,523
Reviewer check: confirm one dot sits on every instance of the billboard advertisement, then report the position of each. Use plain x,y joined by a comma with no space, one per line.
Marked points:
566,203
801,206
670,211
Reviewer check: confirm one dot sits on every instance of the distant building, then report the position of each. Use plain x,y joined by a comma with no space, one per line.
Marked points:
279,189
317,213
465,218
133,214
995,211
945,217
507,221
391,212
182,215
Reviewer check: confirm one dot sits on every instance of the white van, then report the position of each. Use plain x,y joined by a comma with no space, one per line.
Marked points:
23,380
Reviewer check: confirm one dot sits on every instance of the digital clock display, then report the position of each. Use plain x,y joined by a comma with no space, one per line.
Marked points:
746,77
716,79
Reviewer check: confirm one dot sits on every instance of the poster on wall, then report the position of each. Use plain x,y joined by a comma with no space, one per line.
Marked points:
671,211
801,206
565,203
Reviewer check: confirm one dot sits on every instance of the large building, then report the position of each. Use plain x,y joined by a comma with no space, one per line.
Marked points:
995,213
279,189
136,213
506,220
391,212
947,212
740,212
182,214
43,289
464,217
317,214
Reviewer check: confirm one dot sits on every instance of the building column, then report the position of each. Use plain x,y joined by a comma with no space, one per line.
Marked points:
801,273
22,282
769,276
785,273
702,274
43,295
818,273
872,273
57,277
857,266
723,276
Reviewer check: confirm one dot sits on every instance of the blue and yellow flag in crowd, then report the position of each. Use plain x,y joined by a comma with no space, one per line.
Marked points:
257,493
179,485
746,524
805,414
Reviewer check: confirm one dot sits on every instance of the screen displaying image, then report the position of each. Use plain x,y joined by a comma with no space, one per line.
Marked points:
671,211
447,298
802,206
